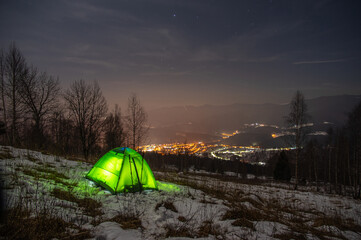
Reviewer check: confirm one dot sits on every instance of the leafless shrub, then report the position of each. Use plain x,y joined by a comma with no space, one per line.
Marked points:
128,221
208,227
128,215
168,204
179,230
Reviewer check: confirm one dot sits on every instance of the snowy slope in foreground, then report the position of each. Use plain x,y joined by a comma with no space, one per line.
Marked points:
209,209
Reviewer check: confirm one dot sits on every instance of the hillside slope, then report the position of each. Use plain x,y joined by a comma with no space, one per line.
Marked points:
48,197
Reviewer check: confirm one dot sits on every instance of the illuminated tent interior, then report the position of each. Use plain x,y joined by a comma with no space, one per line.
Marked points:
123,170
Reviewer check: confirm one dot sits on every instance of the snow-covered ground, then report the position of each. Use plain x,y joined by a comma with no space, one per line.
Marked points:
199,206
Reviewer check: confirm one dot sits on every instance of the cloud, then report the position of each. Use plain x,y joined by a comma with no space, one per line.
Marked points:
92,13
206,55
321,61
86,61
167,73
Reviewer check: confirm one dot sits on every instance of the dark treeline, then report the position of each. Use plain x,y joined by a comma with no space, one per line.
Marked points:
37,114
186,163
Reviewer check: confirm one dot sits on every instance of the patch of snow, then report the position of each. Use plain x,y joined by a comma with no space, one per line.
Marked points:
271,228
351,235
113,231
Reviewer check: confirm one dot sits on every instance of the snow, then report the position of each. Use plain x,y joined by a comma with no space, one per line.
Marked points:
271,228
194,207
112,231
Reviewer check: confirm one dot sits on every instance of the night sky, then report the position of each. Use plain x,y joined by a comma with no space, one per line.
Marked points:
192,52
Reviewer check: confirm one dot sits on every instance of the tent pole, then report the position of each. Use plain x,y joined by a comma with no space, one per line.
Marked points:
131,173
136,171
120,170
141,173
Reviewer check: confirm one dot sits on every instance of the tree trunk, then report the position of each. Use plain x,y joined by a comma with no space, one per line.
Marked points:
349,167
4,104
296,169
13,127
336,167
329,169
315,171
355,174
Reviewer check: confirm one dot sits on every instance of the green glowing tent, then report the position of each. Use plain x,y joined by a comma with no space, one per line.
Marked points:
123,170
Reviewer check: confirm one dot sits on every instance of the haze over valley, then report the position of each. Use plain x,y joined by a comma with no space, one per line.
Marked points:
206,123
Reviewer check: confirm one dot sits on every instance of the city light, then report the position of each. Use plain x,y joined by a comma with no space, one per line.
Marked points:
218,151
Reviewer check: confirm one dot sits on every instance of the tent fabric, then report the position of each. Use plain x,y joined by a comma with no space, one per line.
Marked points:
123,170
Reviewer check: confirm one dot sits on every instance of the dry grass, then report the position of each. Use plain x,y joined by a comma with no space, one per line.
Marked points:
209,228
186,228
128,221
214,191
168,204
182,230
182,219
21,223
273,210
242,212
336,221
243,222
6,154
91,207
49,174
33,159
290,235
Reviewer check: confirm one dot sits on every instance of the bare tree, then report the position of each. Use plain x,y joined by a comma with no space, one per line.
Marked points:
64,134
2,86
15,71
39,92
114,133
354,128
136,121
297,120
88,107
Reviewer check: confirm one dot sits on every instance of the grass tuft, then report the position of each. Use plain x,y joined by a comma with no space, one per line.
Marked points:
167,204
179,231
91,207
336,221
128,221
5,154
209,228
49,174
242,212
182,219
21,223
33,159
243,222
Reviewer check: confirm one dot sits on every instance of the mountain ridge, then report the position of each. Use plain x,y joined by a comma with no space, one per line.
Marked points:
211,120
